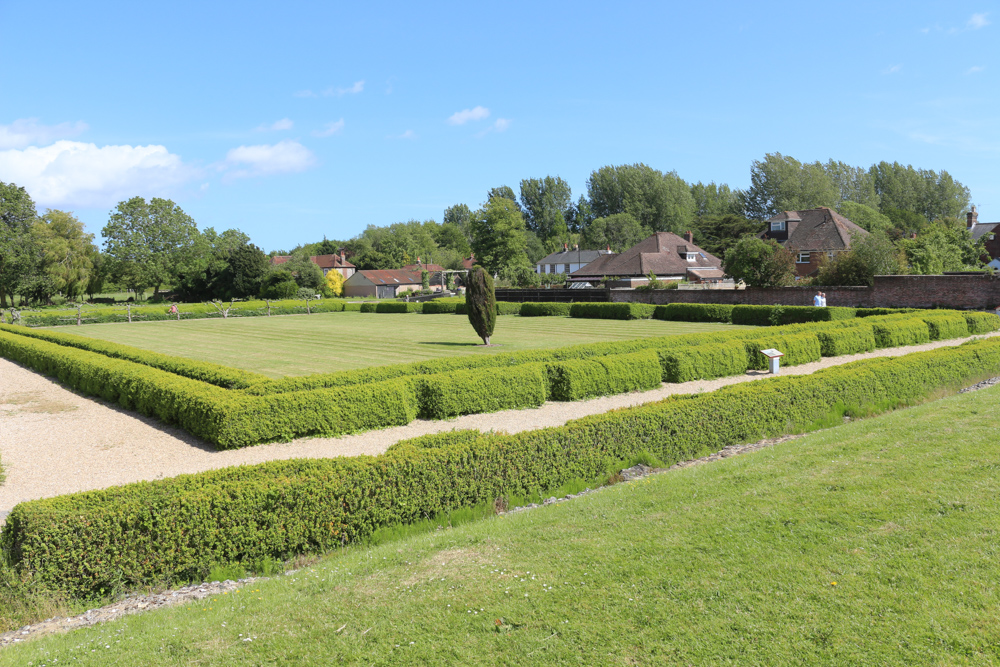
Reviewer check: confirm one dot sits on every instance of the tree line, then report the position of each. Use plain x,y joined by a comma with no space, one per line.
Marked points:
153,244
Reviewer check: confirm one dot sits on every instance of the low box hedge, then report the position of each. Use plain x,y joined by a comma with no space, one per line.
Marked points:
763,316
601,376
945,326
175,530
439,307
479,390
797,348
529,309
846,340
399,307
703,362
612,311
896,332
694,312
503,308
980,323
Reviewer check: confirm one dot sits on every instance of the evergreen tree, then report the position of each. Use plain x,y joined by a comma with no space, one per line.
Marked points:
481,302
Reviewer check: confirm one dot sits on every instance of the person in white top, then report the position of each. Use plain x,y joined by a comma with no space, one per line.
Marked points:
822,299
818,299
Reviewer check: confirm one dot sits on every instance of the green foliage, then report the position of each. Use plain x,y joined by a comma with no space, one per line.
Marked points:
399,307
528,309
798,348
945,326
545,201
67,251
980,323
278,284
439,306
177,529
481,300
703,362
719,233
17,250
782,183
760,263
613,311
658,202
846,340
870,255
865,217
942,247
762,316
619,231
614,374
896,332
694,312
481,390
498,239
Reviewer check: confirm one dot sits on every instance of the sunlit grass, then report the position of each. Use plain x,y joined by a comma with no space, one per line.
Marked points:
869,543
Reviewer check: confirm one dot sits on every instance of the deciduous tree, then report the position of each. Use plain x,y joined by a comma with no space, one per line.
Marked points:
660,202
544,202
17,250
66,251
498,239
870,255
760,263
619,232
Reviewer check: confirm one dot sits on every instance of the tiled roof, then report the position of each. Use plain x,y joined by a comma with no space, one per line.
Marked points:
817,229
390,277
662,253
423,267
981,229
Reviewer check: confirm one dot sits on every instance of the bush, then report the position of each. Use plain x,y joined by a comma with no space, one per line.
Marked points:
946,326
703,362
846,340
762,316
694,312
612,311
544,309
897,332
444,395
305,293
601,376
438,306
368,307
398,307
877,312
177,529
980,323
798,349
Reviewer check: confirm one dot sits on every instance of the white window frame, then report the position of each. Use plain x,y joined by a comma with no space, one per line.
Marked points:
778,226
692,256
799,260
566,268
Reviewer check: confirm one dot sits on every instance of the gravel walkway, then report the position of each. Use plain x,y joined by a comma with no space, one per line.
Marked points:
53,441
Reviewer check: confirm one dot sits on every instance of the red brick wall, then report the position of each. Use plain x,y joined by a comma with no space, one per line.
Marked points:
976,292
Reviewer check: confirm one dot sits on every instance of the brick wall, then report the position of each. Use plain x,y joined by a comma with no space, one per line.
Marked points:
558,294
971,292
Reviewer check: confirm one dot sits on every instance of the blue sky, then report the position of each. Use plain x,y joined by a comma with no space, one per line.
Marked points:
296,120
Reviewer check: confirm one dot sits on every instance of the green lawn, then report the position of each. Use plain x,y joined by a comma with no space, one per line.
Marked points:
304,344
874,543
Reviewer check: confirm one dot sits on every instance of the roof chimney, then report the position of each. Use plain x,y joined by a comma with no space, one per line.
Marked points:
343,260
688,236
972,217
609,247
565,247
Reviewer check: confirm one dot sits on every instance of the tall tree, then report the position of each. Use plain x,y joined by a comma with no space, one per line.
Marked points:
942,247
17,250
148,243
865,217
782,183
459,215
870,255
718,233
660,202
760,263
544,202
578,215
481,302
854,184
66,251
246,266
925,192
619,232
498,239
715,200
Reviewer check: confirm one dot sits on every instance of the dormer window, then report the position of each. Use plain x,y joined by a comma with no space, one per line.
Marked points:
778,226
691,256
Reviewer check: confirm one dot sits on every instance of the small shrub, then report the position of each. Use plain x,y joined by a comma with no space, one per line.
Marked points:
544,309
694,312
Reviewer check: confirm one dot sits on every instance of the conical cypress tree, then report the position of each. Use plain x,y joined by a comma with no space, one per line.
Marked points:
481,302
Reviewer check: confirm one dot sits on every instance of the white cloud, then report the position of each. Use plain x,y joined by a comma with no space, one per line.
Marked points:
283,124
500,125
72,173
330,129
892,70
284,157
27,131
409,134
464,116
356,88
975,69
977,21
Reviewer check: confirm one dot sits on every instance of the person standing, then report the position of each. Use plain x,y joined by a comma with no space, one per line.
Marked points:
822,299
818,299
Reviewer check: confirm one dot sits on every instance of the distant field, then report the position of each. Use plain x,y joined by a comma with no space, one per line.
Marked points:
304,344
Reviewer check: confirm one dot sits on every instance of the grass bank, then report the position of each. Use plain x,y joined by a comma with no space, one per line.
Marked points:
868,543
328,342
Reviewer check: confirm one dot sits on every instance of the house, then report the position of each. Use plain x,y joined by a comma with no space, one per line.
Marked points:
325,262
813,236
666,255
381,284
568,261
436,271
469,262
987,231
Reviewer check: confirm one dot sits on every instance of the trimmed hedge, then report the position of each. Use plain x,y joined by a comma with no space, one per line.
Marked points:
612,311
614,374
177,529
876,312
694,312
544,309
945,326
503,308
480,390
846,340
798,348
221,376
894,332
763,316
980,323
399,307
439,307
703,362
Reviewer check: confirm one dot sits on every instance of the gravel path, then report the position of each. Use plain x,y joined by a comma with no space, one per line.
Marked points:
53,441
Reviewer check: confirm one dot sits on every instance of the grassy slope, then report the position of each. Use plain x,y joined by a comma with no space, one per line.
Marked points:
304,344
871,543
